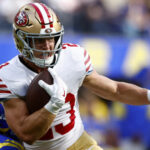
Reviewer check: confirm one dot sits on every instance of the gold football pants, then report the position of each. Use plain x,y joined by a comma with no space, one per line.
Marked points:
85,142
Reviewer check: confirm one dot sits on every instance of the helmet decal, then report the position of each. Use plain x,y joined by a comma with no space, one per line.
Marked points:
48,30
21,19
43,13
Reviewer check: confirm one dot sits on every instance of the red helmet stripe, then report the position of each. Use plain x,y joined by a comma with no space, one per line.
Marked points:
39,13
48,14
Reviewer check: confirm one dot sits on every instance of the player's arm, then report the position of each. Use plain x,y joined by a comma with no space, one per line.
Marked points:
116,91
30,128
27,127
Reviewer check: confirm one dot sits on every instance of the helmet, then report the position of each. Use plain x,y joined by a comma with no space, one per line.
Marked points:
37,21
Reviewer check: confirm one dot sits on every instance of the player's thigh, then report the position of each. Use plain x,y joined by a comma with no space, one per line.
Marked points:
7,143
85,142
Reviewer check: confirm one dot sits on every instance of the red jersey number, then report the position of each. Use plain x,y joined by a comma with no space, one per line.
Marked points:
60,128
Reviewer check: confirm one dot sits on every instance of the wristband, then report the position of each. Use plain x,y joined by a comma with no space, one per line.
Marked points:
148,95
52,107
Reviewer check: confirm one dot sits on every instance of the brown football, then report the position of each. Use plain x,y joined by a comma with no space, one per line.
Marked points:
36,96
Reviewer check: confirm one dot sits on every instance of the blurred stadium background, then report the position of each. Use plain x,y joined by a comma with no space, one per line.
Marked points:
117,36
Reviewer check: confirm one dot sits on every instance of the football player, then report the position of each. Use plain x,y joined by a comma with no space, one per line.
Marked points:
57,126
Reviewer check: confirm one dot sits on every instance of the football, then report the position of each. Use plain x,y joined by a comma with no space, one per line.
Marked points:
36,96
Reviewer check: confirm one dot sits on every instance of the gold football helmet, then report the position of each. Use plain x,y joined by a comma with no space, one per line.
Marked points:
37,21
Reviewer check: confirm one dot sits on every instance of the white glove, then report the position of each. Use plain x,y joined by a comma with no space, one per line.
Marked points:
57,91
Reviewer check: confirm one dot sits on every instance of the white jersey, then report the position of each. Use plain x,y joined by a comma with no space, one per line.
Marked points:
73,65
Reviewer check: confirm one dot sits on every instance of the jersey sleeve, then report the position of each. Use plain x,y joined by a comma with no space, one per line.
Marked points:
80,57
5,93
87,63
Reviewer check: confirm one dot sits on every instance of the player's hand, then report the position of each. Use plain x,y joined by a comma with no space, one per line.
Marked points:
57,91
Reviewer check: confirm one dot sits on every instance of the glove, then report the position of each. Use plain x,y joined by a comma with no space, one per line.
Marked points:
57,91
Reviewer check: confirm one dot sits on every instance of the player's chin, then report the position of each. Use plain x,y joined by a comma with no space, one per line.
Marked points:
46,56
